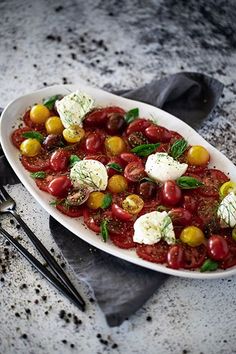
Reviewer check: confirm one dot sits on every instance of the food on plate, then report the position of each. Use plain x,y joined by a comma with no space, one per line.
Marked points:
139,185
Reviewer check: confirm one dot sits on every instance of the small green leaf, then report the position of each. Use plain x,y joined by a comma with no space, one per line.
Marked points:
115,166
50,102
178,148
104,230
145,149
39,174
73,160
131,115
209,265
107,200
33,135
187,182
147,179
53,202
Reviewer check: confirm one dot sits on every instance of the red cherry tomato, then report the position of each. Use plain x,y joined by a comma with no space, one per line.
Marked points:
59,186
194,256
72,211
43,183
120,213
93,142
59,160
190,203
99,116
217,247
175,257
138,125
36,163
128,157
17,137
134,172
170,193
180,216
90,221
155,134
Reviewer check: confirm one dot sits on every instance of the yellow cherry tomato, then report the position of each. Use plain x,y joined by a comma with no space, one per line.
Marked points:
226,188
54,125
30,147
95,200
115,145
73,134
198,155
39,114
192,235
133,204
117,184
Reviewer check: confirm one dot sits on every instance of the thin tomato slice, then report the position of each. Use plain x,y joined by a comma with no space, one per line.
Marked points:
17,137
122,241
194,256
90,221
156,253
207,208
36,163
72,211
213,180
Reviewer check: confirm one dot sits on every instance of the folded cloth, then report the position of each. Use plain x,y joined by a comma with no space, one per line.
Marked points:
120,287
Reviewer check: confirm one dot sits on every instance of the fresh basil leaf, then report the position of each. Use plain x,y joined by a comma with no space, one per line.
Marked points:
187,182
147,179
178,148
104,230
39,174
53,202
115,166
73,160
145,149
131,115
107,200
33,135
209,265
50,102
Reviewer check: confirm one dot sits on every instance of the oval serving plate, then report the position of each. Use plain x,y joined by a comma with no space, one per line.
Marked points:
16,108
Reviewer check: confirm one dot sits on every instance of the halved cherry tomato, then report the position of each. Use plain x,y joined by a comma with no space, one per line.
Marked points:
89,220
93,142
59,160
194,256
213,180
156,253
128,157
133,204
134,172
36,163
138,125
180,216
120,213
72,211
170,193
17,137
217,248
99,116
60,186
175,257
155,134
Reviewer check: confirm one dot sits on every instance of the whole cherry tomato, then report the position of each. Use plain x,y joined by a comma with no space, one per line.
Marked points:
99,116
59,160
138,125
59,186
120,213
175,257
217,247
93,142
170,193
155,134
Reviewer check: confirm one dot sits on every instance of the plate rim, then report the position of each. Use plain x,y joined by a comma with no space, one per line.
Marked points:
39,195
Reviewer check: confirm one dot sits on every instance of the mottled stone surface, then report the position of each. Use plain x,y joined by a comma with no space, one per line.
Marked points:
114,44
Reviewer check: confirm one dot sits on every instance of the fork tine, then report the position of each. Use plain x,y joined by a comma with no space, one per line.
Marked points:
4,192
1,198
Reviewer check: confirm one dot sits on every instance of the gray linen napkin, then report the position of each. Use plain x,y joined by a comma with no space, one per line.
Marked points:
121,288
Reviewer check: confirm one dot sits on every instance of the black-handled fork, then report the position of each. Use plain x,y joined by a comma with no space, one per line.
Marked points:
7,205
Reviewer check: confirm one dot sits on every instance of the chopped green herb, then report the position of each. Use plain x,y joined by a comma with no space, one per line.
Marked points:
39,174
209,265
33,135
73,160
53,202
187,182
178,148
107,200
131,115
161,208
115,166
104,230
50,102
145,149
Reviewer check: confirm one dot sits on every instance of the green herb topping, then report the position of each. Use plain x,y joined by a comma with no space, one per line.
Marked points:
33,135
39,174
209,265
50,102
107,200
115,166
145,149
178,148
104,230
187,182
131,115
73,160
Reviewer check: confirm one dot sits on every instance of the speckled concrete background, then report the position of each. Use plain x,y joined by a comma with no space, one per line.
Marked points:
114,44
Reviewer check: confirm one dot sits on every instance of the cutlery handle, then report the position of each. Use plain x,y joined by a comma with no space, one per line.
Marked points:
58,271
48,275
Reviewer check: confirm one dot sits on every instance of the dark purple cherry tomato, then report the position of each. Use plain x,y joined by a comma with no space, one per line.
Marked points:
115,123
147,190
59,186
155,134
175,257
93,142
59,160
217,248
170,193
